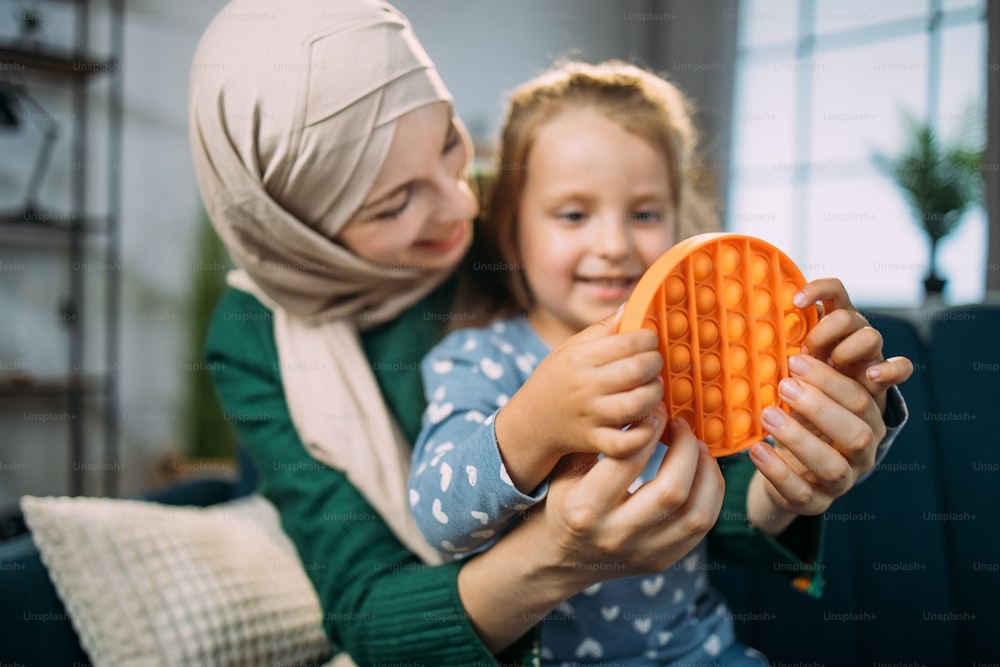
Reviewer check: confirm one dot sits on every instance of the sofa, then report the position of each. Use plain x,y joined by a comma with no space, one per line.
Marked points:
912,563
912,556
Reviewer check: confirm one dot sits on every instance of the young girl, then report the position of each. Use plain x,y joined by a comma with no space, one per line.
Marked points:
596,163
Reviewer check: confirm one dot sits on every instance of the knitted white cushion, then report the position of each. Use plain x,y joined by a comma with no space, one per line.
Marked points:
148,584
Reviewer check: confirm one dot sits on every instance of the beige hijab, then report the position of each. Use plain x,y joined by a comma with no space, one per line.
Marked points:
293,108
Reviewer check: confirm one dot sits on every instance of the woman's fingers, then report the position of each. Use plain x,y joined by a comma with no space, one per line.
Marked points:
893,371
607,480
830,291
671,486
842,390
793,491
834,328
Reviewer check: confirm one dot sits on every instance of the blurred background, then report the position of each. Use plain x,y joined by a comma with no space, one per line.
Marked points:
108,270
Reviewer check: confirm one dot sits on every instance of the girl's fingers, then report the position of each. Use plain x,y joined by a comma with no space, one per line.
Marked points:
623,442
626,373
613,348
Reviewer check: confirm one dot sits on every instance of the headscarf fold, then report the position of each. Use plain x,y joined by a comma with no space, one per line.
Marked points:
293,108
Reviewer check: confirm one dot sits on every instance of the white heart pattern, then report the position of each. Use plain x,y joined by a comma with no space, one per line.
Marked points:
525,362
481,517
491,369
712,645
436,412
678,595
502,400
590,648
483,534
442,366
475,416
663,637
643,624
445,476
505,476
592,590
437,513
472,473
610,613
414,497
650,587
440,451
439,394
690,564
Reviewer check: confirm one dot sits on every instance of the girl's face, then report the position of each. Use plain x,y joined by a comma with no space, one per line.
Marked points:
595,212
418,213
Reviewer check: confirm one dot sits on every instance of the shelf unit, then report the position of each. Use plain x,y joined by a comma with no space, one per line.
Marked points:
74,234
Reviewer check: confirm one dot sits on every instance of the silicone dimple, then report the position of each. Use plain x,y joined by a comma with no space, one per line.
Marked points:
722,307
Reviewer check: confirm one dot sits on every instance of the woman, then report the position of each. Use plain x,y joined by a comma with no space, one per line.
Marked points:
332,167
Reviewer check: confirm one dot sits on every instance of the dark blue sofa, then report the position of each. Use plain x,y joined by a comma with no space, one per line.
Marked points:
912,555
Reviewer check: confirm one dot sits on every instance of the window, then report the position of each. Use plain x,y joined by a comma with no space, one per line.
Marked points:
821,85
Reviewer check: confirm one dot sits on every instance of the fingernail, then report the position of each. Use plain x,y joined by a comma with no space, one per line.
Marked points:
874,373
620,309
680,421
800,300
798,365
703,446
789,388
804,350
772,416
762,452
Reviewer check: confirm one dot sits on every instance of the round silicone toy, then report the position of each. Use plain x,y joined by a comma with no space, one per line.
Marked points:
722,307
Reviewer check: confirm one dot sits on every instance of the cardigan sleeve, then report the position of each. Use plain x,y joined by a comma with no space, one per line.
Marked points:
379,602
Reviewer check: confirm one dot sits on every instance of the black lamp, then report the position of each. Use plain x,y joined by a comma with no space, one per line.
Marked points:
13,99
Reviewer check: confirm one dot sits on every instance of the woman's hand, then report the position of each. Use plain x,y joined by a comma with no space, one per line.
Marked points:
591,528
578,400
598,527
844,339
837,392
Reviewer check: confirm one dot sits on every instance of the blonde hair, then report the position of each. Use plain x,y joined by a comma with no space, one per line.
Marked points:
642,103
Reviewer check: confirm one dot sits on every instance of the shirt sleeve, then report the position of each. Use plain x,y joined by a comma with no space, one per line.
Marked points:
460,493
380,603
896,416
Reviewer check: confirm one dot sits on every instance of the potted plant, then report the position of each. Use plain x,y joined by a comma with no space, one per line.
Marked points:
940,182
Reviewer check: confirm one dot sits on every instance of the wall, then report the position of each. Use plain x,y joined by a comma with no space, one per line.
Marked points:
483,50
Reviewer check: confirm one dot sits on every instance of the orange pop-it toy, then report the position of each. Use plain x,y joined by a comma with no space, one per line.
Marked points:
722,307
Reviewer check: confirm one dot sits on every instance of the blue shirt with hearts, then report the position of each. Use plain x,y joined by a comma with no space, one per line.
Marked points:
463,501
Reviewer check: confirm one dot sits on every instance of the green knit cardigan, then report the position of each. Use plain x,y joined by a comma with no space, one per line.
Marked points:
380,603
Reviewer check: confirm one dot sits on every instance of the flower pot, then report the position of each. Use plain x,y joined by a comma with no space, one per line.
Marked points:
934,285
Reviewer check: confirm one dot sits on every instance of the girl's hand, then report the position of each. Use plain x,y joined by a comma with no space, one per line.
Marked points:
578,400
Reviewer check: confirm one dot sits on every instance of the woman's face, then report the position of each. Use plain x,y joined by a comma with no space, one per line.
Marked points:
418,213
